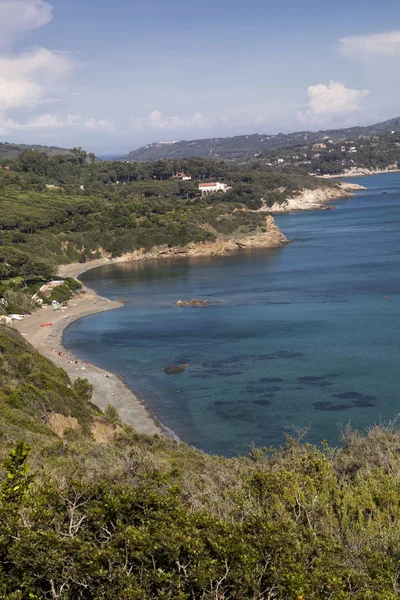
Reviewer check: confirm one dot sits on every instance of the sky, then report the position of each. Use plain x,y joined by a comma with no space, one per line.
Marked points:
113,75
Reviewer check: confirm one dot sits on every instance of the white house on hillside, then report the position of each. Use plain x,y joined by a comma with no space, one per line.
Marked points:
216,186
181,177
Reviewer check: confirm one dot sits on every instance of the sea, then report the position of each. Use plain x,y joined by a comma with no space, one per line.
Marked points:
298,340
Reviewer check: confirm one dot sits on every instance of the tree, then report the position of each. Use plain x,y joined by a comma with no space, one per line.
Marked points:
80,155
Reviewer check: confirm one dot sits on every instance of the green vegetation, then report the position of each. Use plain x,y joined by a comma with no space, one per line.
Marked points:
147,517
69,208
247,147
31,387
11,151
65,291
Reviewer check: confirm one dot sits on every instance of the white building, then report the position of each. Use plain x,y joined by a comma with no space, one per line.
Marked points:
181,177
216,186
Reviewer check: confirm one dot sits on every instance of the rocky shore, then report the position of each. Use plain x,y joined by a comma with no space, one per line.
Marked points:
360,171
272,237
317,199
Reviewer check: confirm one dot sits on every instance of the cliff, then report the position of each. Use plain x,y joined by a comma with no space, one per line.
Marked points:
315,199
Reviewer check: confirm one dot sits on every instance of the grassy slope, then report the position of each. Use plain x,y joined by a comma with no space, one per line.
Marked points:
31,387
151,518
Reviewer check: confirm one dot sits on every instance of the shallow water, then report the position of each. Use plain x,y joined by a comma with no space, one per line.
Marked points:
301,336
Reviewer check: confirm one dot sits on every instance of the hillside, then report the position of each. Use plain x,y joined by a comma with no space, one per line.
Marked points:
123,515
245,147
33,390
54,211
147,517
9,151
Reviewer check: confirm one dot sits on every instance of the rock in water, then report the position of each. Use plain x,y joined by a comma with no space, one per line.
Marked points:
173,370
192,303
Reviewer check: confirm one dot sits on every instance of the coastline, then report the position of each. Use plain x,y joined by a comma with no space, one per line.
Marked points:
360,173
317,199
108,388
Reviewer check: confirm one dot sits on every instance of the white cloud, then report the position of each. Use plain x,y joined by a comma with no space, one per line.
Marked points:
17,17
26,79
364,47
14,94
329,101
35,77
156,120
51,122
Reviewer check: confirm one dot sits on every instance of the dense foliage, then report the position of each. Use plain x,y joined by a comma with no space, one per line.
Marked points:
32,387
10,151
146,517
70,208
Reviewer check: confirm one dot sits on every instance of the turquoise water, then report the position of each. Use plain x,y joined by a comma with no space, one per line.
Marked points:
301,336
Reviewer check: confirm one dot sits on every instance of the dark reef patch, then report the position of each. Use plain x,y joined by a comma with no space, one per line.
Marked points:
364,403
322,384
353,396
220,403
356,399
262,402
270,380
248,358
326,405
318,380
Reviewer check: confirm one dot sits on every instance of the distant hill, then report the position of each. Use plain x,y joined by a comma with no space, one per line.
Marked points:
245,147
11,151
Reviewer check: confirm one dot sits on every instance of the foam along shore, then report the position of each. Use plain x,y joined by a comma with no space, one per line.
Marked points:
44,330
317,199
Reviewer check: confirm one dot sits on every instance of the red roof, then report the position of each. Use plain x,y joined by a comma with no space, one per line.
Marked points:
206,184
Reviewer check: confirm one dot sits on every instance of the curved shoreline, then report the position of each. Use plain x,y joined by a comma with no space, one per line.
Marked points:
108,388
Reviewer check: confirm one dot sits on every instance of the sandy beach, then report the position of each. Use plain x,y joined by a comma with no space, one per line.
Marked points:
107,387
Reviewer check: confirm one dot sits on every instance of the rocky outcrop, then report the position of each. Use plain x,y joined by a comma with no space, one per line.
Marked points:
271,237
174,370
60,423
192,303
351,187
317,199
310,200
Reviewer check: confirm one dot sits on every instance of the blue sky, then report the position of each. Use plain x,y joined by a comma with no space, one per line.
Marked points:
113,75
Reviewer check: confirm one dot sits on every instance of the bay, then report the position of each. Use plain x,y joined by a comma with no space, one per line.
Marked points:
300,336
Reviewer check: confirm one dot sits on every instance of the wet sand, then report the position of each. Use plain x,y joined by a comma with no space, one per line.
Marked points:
48,341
